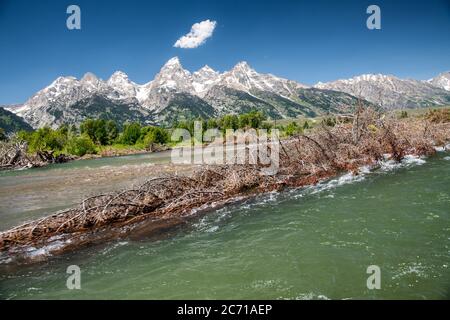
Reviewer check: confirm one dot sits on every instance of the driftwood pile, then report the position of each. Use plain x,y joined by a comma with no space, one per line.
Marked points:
164,197
364,140
13,155
304,159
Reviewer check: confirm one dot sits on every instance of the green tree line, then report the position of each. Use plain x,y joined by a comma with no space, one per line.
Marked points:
92,134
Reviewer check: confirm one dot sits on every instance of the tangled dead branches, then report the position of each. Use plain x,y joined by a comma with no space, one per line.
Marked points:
14,155
304,159
347,146
160,197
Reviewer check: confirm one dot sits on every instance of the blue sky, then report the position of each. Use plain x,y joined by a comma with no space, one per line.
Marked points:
307,41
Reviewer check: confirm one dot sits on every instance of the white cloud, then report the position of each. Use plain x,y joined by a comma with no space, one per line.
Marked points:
200,31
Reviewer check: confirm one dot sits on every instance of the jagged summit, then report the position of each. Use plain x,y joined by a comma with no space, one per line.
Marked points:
173,62
442,80
61,80
242,65
118,75
206,70
175,92
390,91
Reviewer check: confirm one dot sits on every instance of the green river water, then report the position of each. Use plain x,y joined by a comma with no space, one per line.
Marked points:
311,243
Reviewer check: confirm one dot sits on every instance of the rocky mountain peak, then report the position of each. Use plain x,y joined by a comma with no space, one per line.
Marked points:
62,80
242,65
173,65
390,91
120,83
172,77
204,79
118,75
243,69
441,80
174,61
206,70
175,91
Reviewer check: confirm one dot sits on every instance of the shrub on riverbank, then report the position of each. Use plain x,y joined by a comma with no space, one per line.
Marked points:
253,119
293,128
150,135
438,115
100,131
45,139
131,133
92,137
95,134
80,146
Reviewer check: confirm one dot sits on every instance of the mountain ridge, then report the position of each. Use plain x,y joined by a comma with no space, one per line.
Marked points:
10,122
392,92
176,93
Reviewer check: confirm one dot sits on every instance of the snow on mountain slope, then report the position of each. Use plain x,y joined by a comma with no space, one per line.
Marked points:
176,93
442,81
171,79
170,87
390,91
120,83
243,77
204,79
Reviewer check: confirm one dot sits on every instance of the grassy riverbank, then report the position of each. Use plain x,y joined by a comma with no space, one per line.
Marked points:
102,138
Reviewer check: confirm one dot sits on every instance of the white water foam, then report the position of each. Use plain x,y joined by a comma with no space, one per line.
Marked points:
408,160
33,252
385,165
209,224
414,268
212,222
116,245
442,149
307,296
347,178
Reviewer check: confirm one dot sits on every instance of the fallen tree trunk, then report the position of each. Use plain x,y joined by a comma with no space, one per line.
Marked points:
304,160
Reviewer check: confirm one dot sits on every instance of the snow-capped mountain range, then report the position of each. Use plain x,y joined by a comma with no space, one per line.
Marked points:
176,93
391,92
